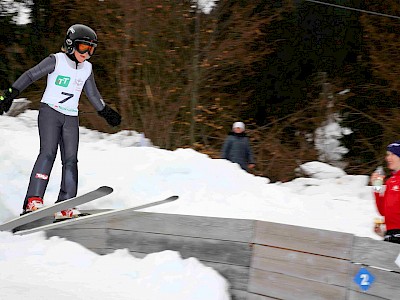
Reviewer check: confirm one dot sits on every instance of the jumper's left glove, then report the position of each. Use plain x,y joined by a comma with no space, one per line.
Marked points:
5,101
111,116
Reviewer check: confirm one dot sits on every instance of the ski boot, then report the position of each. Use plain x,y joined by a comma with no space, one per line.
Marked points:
68,214
34,203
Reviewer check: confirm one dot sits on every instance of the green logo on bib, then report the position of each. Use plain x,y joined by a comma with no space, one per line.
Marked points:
62,80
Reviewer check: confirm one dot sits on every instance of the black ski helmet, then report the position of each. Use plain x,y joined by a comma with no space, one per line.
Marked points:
79,33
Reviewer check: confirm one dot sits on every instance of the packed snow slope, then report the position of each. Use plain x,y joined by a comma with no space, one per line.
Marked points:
140,173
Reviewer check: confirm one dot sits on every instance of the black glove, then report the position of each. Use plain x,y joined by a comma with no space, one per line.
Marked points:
112,117
7,99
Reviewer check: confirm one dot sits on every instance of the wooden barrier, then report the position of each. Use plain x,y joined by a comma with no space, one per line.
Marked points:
261,260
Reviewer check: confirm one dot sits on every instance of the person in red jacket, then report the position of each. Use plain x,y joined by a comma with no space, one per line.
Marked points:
388,203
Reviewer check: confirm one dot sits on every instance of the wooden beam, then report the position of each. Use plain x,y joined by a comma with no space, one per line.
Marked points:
306,266
304,239
282,286
376,253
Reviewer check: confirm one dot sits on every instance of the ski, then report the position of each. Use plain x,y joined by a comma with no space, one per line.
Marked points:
52,209
94,216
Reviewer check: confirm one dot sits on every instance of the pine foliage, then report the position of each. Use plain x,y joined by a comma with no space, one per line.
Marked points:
183,77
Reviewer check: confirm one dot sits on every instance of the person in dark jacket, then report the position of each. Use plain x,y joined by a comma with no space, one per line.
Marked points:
237,148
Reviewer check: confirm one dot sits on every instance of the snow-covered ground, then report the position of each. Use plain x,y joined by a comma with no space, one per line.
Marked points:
139,173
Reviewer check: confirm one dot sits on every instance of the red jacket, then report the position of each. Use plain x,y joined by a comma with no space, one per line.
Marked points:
388,204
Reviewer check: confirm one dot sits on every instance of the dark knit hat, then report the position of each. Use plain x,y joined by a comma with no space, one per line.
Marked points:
394,148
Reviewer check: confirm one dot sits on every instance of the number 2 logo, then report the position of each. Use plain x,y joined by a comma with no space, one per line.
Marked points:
364,279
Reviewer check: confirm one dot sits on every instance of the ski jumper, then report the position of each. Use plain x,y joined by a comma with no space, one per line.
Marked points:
58,120
388,204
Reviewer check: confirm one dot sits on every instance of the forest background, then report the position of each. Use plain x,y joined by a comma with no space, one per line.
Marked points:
183,76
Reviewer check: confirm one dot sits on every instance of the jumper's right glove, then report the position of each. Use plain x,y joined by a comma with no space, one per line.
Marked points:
5,101
111,116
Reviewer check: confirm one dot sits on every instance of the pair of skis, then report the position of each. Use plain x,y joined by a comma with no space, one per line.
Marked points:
73,202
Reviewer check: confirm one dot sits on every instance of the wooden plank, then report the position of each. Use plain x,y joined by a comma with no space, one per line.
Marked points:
302,265
240,230
353,295
282,286
322,242
258,297
89,238
235,253
386,284
376,253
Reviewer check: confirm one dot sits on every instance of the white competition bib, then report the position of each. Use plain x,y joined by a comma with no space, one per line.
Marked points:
65,84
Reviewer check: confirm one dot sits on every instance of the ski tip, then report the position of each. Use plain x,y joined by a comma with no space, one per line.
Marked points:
173,198
106,189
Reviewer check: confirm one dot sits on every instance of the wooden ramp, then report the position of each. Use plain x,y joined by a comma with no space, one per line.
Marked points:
261,260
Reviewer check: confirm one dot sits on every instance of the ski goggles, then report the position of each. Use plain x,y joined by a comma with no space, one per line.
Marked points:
83,47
